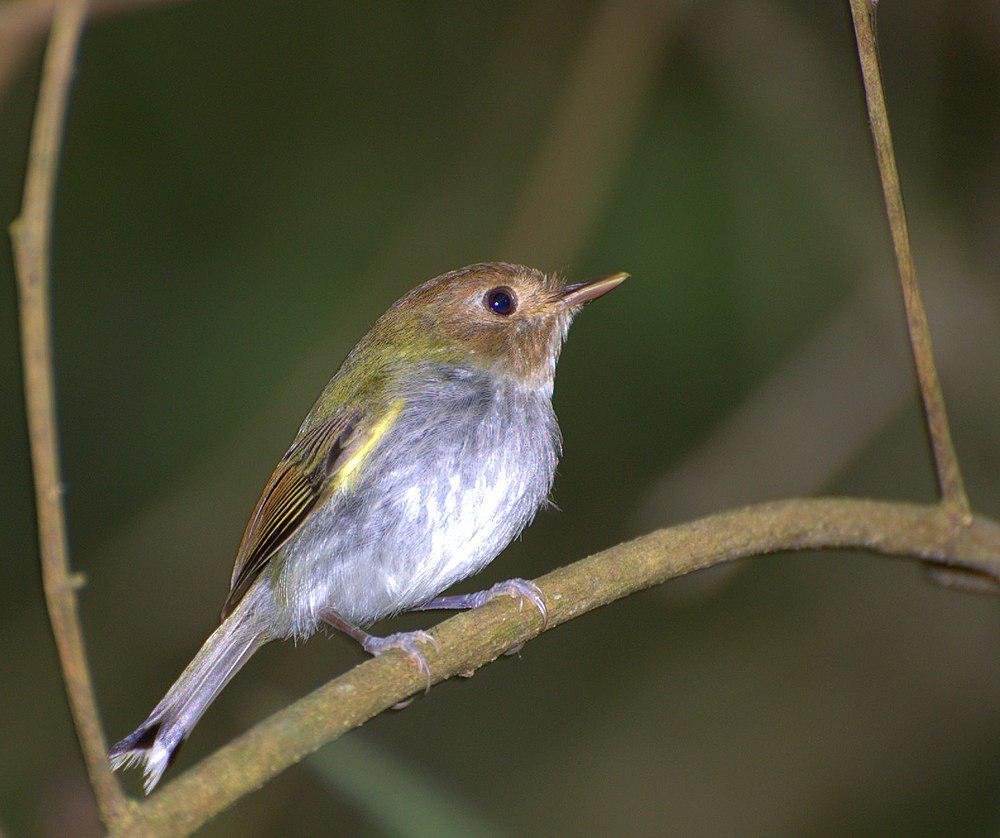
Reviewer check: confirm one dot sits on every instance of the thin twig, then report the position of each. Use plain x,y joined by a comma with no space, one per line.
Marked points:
31,234
477,637
945,461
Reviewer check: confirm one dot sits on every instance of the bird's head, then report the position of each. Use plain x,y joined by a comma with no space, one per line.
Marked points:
509,318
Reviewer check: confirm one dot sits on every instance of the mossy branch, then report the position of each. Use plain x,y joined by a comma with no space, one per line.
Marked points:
474,638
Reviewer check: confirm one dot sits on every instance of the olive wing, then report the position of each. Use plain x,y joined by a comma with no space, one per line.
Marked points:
306,476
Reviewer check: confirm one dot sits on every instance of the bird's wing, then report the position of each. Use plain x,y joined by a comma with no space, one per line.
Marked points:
320,462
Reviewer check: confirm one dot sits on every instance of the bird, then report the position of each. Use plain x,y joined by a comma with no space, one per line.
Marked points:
429,451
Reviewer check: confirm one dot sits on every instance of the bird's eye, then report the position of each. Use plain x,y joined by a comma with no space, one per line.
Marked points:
502,300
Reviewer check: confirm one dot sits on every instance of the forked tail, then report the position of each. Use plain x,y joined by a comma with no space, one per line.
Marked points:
155,742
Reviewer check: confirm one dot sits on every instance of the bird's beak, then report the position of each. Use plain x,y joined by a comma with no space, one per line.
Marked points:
584,292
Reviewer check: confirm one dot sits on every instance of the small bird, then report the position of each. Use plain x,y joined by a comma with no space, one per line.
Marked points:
425,456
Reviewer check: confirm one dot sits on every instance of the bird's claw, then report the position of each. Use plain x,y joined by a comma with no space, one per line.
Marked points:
407,642
521,590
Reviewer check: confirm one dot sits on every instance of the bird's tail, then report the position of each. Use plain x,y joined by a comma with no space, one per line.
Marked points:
155,742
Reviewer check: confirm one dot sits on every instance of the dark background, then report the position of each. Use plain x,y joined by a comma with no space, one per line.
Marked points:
245,187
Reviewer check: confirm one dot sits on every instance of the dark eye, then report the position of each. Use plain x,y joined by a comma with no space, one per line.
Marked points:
501,300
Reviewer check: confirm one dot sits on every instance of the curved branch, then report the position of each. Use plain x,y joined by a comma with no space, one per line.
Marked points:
474,638
31,235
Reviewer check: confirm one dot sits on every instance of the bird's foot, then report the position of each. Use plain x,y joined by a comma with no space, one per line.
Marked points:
523,590
520,589
405,641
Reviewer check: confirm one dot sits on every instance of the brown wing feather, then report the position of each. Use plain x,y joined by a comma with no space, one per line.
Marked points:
293,491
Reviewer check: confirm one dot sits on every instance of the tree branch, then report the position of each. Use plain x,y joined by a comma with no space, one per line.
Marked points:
474,638
31,235
949,474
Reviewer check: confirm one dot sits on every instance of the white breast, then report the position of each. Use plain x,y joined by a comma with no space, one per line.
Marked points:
468,524
461,473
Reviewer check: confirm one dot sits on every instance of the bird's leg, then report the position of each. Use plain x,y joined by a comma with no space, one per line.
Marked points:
520,589
405,641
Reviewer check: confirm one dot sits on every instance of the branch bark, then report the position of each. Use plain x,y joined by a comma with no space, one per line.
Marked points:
949,474
474,638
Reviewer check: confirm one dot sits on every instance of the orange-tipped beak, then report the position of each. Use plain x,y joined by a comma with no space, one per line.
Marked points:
584,292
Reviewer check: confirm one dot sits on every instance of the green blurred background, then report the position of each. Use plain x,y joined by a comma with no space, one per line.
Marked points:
245,187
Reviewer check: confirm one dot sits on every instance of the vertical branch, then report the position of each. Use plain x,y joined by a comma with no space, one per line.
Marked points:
949,476
31,235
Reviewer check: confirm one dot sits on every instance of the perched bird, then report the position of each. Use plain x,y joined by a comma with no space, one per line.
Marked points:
427,453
